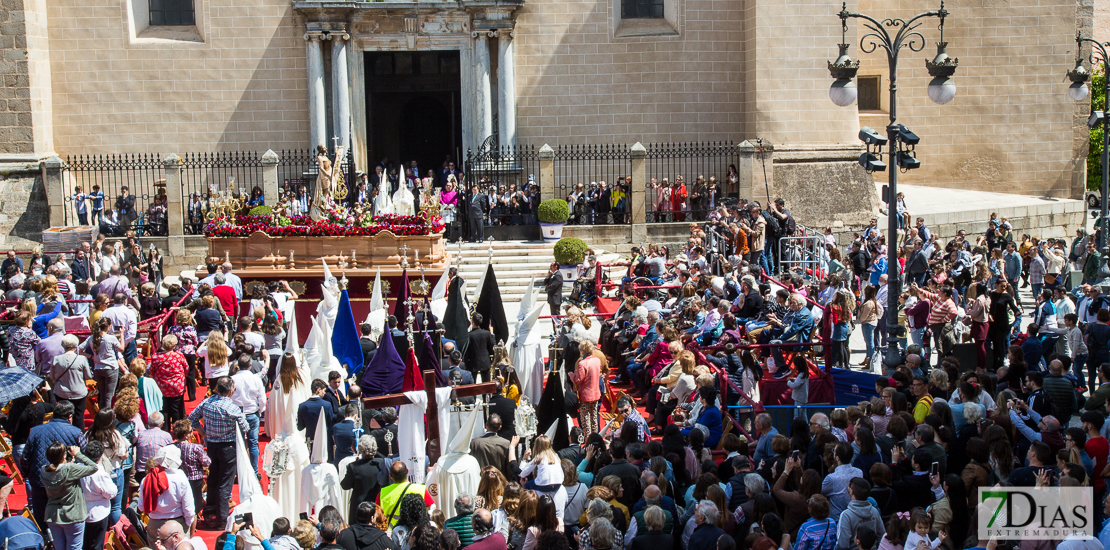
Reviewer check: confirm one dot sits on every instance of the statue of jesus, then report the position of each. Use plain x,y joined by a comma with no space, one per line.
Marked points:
325,180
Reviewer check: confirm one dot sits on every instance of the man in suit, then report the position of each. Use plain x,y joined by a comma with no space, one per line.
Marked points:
479,352
454,364
455,378
347,431
505,408
369,346
389,424
448,349
477,206
335,394
553,285
308,413
491,449
448,170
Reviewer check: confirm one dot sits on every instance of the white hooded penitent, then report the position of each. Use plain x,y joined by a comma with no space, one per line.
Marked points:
320,479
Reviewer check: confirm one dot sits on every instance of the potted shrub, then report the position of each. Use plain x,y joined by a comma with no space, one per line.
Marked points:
553,215
569,254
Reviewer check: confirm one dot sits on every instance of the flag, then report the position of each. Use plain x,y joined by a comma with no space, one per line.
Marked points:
385,373
553,409
400,310
414,379
344,337
456,322
491,308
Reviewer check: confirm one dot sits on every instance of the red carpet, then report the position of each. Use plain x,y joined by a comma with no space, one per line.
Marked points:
18,498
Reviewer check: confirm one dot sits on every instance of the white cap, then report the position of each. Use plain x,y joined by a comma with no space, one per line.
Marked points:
168,457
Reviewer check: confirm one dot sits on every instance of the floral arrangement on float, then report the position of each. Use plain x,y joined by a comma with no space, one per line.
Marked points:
339,222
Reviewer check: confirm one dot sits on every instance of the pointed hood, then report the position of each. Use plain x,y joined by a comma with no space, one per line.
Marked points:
491,308
291,344
550,433
376,301
319,444
460,443
344,337
327,272
313,344
400,310
524,328
528,300
552,409
439,293
414,378
385,373
456,321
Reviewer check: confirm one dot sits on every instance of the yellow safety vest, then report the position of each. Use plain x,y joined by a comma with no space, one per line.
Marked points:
391,498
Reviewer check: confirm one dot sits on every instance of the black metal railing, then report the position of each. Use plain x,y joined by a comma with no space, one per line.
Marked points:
701,167
229,173
579,173
140,173
505,172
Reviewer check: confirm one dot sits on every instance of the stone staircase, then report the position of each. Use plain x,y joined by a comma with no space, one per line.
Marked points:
515,262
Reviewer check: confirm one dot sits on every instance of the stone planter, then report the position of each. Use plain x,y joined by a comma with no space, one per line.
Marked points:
570,274
552,232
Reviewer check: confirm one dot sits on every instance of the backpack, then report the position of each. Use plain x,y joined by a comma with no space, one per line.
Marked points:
789,226
774,230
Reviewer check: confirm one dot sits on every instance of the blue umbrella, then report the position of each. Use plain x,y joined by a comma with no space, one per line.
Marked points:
17,382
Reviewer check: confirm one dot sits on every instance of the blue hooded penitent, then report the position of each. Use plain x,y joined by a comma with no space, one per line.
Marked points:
344,337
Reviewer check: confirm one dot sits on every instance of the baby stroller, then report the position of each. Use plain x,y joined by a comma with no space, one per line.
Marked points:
20,533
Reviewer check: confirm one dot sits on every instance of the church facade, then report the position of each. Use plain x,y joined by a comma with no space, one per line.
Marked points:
427,80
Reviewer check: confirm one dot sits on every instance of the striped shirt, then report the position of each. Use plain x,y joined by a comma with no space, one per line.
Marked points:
193,460
942,310
816,534
220,417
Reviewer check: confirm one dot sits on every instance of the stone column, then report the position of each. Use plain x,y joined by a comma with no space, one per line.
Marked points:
175,207
750,168
638,193
547,172
506,89
340,88
317,114
270,188
482,90
55,190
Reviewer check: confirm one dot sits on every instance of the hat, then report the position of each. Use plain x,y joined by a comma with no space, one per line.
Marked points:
17,279
168,457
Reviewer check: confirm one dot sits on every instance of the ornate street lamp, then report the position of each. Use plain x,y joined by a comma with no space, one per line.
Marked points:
901,140
1078,91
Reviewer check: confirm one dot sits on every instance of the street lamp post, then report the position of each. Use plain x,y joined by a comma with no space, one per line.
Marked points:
1078,91
843,92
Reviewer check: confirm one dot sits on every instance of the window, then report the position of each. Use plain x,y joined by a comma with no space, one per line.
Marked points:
868,98
172,13
641,9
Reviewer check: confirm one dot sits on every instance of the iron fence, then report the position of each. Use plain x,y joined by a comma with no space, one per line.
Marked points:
297,168
505,172
579,173
205,174
700,169
139,173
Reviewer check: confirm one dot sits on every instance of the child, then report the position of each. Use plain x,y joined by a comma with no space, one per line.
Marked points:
81,309
897,528
97,198
548,470
1077,350
922,523
865,538
799,385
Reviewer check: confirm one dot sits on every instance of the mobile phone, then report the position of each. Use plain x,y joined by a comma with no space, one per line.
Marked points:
304,516
936,468
248,520
794,455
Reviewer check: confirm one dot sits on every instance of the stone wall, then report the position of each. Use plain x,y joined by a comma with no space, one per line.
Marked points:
236,81
1011,127
25,125
23,210
823,185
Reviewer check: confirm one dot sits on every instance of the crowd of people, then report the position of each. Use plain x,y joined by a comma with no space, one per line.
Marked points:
123,216
701,469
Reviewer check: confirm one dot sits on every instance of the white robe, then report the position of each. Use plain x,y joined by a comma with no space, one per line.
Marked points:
382,203
410,434
251,498
404,202
345,494
319,488
527,356
454,474
281,426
